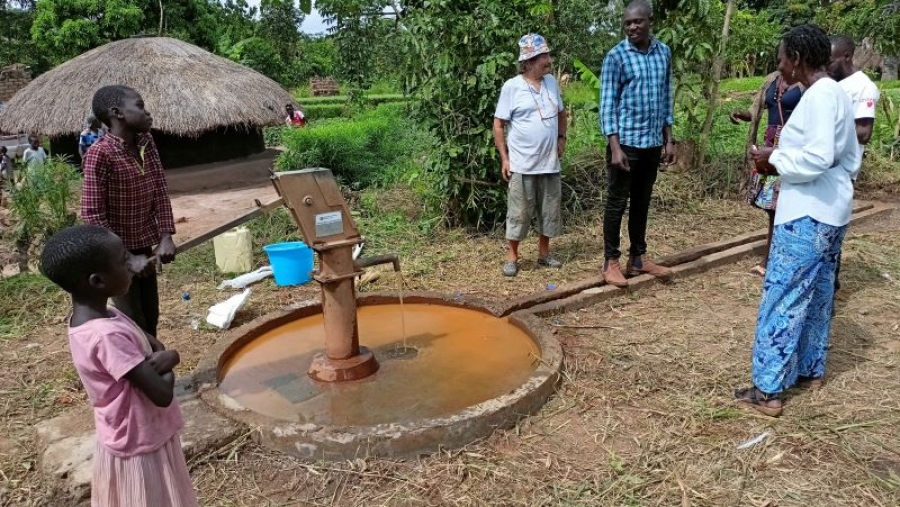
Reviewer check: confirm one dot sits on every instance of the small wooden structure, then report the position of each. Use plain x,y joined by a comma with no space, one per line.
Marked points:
323,86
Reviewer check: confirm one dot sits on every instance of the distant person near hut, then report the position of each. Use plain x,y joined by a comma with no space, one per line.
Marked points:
530,135
93,130
6,168
125,191
295,117
34,155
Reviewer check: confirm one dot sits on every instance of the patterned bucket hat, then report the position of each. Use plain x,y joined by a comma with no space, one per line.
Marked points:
532,45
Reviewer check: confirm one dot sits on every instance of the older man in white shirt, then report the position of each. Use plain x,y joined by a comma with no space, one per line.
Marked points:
530,135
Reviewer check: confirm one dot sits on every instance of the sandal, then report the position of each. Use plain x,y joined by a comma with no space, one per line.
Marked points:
510,268
768,404
758,270
810,383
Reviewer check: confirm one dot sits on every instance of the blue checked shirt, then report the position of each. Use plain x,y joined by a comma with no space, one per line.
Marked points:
636,95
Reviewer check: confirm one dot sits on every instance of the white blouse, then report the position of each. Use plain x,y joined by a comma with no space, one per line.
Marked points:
817,156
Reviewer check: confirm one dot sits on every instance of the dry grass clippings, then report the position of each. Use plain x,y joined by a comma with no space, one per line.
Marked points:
642,417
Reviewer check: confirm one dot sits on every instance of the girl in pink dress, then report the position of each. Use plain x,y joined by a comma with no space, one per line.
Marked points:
126,373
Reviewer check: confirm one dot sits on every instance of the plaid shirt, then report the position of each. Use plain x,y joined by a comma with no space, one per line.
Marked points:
636,95
124,194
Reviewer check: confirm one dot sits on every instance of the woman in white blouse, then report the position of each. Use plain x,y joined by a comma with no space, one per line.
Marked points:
816,158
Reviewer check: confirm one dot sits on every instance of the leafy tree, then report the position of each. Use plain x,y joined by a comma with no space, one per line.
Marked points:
318,57
279,24
753,44
690,31
581,29
259,54
459,55
235,23
66,28
194,21
362,34
16,45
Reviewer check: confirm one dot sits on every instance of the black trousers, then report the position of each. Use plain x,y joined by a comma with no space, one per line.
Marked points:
141,303
636,185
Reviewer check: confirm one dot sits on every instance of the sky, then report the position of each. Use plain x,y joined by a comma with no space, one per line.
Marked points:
312,24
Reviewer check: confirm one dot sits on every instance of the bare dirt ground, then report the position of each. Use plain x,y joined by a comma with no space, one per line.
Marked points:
203,197
198,212
642,417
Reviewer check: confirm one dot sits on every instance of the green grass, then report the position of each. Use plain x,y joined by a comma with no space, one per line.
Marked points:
325,111
28,300
747,84
577,94
362,151
383,87
375,99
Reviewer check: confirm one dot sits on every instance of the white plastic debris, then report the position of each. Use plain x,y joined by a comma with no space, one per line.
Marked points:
754,441
246,279
221,314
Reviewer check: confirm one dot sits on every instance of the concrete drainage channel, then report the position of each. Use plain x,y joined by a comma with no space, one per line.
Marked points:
214,419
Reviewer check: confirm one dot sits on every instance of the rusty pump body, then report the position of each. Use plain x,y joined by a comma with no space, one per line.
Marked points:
318,207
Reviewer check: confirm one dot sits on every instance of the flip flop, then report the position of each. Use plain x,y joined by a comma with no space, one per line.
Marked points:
752,397
758,270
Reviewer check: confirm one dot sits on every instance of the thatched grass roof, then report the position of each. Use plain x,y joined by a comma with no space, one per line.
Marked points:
187,90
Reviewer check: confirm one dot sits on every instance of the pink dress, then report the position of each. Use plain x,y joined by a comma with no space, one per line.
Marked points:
138,459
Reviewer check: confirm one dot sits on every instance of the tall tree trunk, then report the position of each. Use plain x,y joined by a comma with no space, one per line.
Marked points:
162,17
22,245
713,92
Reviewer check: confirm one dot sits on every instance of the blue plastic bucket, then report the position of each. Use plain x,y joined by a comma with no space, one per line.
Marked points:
291,262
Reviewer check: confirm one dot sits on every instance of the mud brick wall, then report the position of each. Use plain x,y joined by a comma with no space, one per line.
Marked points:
12,79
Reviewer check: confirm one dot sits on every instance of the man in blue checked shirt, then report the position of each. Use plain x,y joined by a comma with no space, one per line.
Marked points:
636,116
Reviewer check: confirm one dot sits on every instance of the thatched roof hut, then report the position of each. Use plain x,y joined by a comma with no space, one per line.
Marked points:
203,105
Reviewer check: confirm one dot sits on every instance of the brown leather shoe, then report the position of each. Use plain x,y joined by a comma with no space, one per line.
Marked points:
612,273
646,268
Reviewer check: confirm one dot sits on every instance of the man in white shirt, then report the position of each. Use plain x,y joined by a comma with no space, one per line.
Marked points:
530,136
34,155
862,92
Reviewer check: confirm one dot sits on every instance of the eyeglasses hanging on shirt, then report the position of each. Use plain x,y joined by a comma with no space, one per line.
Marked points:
542,105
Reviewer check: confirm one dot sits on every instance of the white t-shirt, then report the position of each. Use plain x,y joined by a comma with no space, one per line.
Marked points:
32,156
533,124
864,95
817,156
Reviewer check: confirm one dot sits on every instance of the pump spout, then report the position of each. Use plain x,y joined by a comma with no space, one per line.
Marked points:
366,262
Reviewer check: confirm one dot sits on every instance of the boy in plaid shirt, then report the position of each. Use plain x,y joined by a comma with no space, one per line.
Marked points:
125,191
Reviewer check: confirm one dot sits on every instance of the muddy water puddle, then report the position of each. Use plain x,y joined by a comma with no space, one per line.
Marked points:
452,358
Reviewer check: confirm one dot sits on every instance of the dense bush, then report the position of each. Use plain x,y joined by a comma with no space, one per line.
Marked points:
42,202
325,111
371,99
376,146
